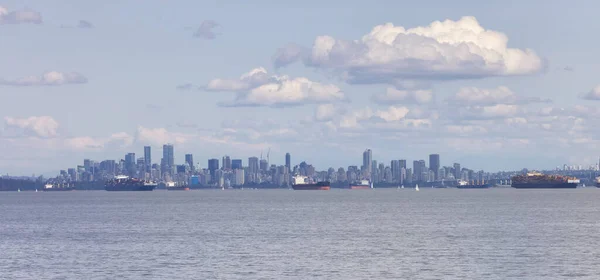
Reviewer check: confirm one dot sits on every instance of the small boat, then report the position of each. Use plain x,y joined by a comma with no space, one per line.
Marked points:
417,187
19,190
402,187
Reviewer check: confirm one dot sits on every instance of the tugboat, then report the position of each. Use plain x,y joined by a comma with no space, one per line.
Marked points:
302,183
124,183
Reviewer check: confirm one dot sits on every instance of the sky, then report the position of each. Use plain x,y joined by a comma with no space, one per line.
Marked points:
500,85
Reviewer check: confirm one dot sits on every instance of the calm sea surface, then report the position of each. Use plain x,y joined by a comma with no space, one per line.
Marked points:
283,234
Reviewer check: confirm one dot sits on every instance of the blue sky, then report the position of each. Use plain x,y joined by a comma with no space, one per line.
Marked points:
113,88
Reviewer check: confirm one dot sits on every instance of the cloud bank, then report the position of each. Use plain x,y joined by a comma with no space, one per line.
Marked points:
52,78
18,17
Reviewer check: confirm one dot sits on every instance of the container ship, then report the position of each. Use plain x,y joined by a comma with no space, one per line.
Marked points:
535,180
50,187
302,183
362,185
462,184
172,187
124,183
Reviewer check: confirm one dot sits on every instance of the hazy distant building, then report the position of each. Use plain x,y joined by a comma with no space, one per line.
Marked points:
130,164
368,161
213,165
395,165
457,171
236,164
253,165
434,165
403,164
168,159
238,177
189,159
288,161
264,165
226,163
148,158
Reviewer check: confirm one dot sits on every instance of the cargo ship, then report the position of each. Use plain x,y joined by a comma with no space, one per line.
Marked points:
536,180
172,187
49,187
362,185
124,183
597,182
462,184
302,183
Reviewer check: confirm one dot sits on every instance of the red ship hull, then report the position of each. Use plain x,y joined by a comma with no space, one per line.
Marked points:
359,187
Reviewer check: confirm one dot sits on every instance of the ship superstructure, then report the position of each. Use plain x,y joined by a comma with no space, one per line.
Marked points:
125,183
304,183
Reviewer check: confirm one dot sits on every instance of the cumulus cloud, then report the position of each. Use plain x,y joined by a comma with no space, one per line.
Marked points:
257,88
52,78
42,126
593,94
443,50
17,17
493,96
160,136
288,54
395,96
205,31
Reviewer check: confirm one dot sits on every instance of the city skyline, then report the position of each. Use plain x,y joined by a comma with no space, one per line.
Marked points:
220,78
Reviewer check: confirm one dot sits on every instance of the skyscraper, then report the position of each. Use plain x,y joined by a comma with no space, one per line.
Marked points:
288,161
213,165
264,165
457,171
419,168
189,159
434,165
396,169
253,165
169,158
226,163
403,163
130,164
148,158
236,164
368,161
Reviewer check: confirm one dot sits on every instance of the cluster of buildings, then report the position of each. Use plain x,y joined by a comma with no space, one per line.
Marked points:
231,172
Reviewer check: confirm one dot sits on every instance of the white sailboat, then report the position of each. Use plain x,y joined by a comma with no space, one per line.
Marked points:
19,190
402,187
35,190
417,187
371,185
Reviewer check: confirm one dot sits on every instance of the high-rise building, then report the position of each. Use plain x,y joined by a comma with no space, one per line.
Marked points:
368,161
253,165
236,164
457,171
238,177
130,164
148,158
226,163
434,165
288,161
396,169
169,159
420,172
213,165
264,165
403,163
87,164
189,159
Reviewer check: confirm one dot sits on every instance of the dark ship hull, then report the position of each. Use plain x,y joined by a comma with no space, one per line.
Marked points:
546,185
484,186
320,186
58,189
185,188
129,188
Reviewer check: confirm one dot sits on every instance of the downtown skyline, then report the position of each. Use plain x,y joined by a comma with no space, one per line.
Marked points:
213,78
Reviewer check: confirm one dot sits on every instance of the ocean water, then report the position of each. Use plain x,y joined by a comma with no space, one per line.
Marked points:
283,234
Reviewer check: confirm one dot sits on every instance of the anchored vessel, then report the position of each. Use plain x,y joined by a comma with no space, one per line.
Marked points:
124,183
362,185
172,187
49,187
302,183
462,184
598,182
536,180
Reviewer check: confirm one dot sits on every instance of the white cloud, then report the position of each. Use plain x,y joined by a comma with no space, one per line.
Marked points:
443,50
160,136
205,31
257,88
325,112
492,96
52,78
42,126
17,17
288,54
593,94
395,96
